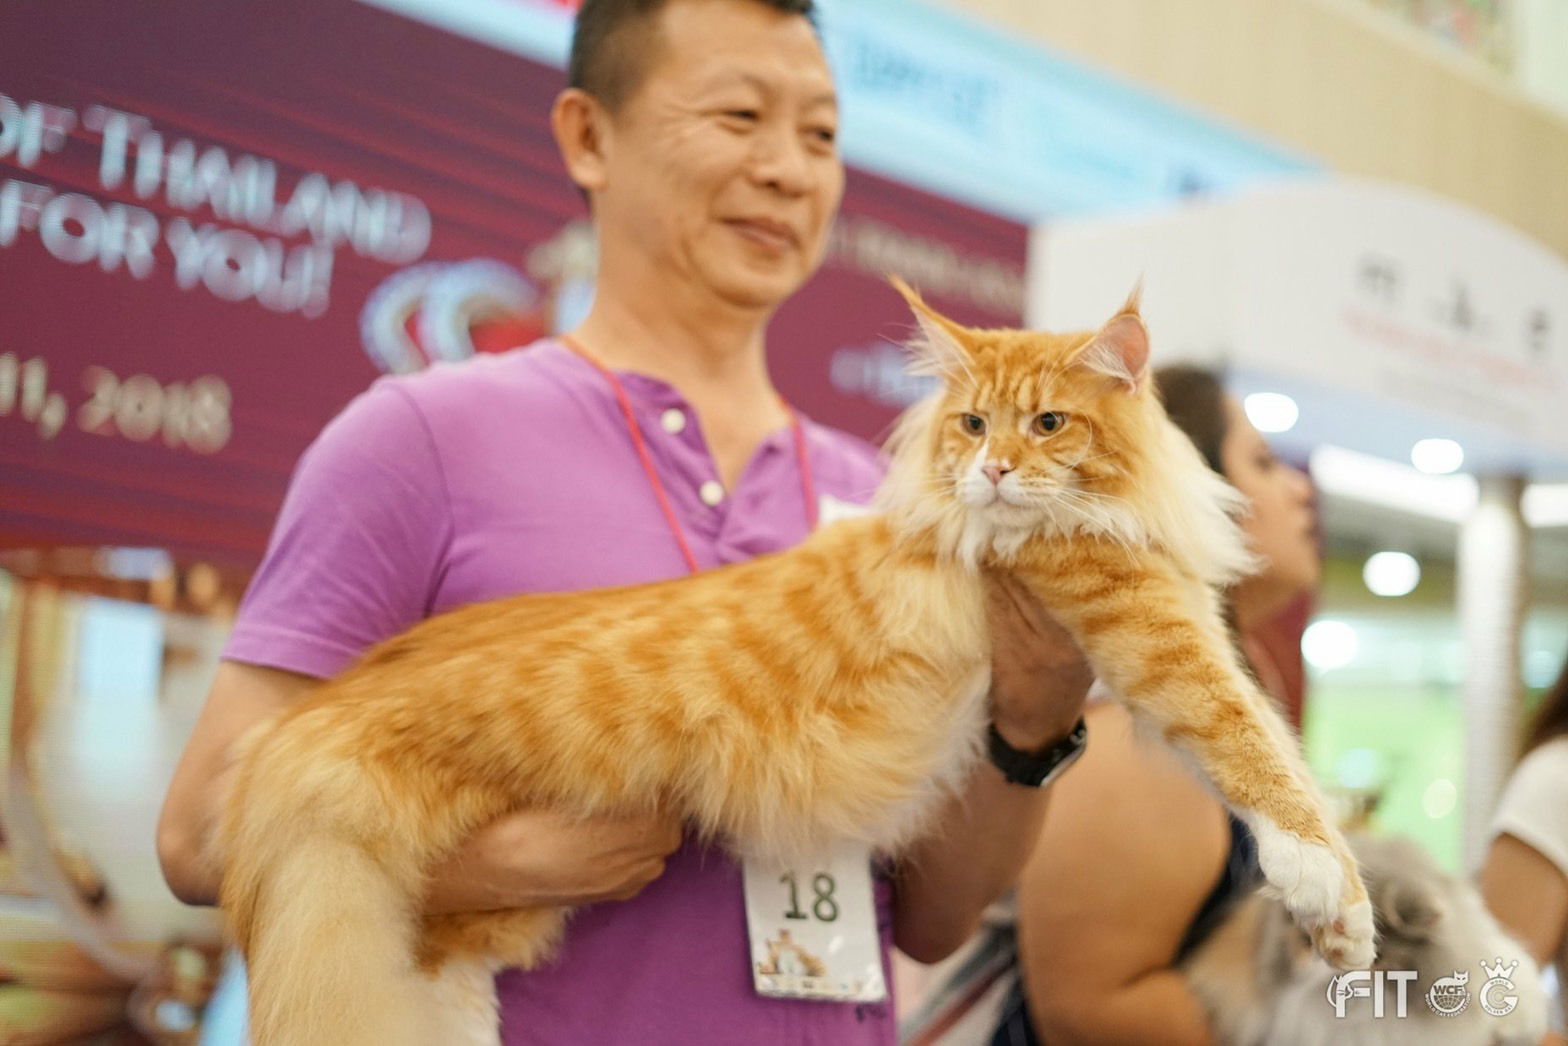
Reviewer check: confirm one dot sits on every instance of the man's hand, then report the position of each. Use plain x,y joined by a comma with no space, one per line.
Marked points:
1039,678
535,858
973,852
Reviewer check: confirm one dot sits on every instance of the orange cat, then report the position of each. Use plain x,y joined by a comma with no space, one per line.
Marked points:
831,691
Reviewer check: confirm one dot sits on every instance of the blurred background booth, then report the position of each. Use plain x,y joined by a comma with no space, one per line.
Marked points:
1412,354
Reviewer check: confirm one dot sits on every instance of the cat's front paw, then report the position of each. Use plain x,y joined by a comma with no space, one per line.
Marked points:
1308,876
1349,942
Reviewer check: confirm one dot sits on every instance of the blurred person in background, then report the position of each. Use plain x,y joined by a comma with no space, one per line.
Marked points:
1524,879
1137,860
702,133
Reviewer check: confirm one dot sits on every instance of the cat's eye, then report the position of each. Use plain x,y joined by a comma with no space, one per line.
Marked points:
1049,422
974,423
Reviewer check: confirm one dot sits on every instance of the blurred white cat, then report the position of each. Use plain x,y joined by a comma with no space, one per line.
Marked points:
1262,984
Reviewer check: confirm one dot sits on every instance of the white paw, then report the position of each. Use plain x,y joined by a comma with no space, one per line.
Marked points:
1308,876
1349,942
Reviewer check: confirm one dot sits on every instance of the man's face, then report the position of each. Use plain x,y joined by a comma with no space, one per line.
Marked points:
722,166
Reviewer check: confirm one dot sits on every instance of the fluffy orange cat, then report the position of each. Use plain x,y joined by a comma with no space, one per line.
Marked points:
831,691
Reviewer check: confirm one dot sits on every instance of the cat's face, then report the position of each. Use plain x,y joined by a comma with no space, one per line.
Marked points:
1029,424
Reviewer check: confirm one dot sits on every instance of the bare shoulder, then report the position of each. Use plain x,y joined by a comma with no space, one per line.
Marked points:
1131,791
1130,847
1130,834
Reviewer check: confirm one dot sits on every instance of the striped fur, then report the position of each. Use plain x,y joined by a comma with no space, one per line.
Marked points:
832,691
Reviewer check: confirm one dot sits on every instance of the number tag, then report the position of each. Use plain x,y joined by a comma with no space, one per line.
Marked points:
813,928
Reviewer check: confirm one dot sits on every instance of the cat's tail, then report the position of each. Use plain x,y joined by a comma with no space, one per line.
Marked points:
324,913
330,952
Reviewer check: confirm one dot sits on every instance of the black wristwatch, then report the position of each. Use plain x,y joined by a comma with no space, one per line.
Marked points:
1036,769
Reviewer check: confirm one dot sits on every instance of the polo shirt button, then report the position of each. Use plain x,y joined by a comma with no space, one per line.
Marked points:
673,420
711,492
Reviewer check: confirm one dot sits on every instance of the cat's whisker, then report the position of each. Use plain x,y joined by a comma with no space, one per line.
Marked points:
1091,457
1082,496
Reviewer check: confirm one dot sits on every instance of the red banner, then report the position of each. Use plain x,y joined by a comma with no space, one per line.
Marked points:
218,222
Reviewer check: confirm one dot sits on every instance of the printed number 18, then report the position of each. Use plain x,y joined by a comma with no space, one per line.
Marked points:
825,908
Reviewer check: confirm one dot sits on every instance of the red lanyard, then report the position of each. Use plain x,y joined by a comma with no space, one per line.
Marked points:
802,458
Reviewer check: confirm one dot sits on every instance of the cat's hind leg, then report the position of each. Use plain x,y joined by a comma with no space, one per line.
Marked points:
463,1003
522,937
459,956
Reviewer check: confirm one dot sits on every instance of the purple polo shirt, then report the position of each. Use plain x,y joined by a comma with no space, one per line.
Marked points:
515,473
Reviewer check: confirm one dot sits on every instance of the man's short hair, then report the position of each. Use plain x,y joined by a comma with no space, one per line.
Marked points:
610,56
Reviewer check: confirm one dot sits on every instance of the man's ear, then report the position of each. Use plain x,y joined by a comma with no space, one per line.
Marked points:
581,126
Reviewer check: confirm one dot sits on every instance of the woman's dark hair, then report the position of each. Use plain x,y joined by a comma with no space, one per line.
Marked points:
1551,715
613,40
1195,400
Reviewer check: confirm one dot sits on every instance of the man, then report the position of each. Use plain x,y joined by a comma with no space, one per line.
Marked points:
702,133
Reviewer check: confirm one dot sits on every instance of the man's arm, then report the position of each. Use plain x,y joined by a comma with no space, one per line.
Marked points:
531,857
979,842
242,696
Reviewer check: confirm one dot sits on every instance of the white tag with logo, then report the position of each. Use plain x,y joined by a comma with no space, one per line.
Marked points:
813,928
830,510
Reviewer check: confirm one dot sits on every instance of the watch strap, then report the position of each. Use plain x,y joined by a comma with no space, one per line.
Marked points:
1036,769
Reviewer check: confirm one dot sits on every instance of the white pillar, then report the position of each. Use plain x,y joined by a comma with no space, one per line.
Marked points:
1493,555
1540,34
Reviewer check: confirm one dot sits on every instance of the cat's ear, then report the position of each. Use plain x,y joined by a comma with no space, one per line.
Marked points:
939,351
1410,910
1120,349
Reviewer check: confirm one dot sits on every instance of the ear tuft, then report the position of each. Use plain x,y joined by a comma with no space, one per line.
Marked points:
939,351
1134,298
910,295
1120,349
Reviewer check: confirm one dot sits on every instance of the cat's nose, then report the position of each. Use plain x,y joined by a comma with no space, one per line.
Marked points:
995,472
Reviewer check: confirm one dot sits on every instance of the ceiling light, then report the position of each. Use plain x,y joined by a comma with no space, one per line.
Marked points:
1391,573
1546,504
1328,644
1437,456
1271,411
